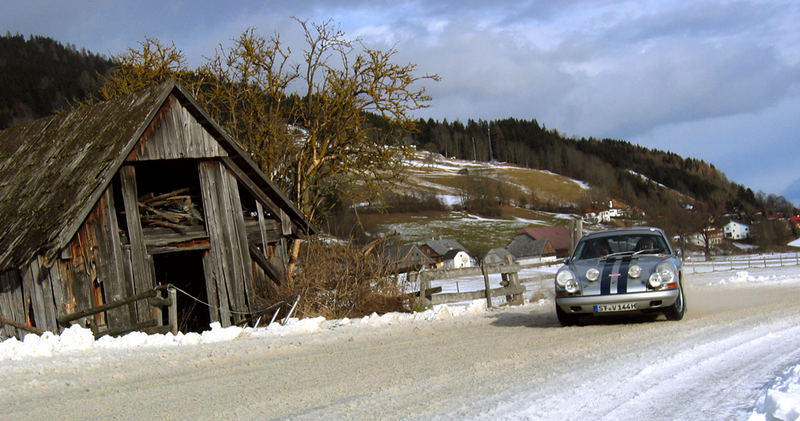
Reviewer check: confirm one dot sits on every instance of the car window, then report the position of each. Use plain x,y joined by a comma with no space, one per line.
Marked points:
631,243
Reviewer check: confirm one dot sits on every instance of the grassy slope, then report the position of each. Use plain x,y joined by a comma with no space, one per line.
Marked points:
441,176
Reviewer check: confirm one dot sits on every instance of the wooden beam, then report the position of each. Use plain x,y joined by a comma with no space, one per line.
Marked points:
262,227
18,325
251,186
109,260
140,267
261,261
215,262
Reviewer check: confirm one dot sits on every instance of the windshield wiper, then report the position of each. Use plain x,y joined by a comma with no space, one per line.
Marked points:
649,251
612,256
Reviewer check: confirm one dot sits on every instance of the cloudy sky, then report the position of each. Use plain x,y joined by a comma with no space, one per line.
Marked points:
718,81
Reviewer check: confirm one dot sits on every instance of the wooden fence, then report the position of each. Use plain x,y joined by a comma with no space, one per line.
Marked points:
155,299
427,296
742,262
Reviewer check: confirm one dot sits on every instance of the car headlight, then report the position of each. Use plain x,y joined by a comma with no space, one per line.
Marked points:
571,286
663,274
566,279
634,271
592,274
563,277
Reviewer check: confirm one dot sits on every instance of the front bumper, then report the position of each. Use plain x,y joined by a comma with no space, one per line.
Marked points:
641,300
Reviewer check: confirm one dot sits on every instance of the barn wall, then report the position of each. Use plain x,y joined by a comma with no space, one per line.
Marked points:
175,134
231,274
93,271
11,303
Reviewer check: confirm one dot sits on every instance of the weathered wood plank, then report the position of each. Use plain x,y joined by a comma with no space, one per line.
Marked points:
227,222
473,271
157,237
216,258
46,290
251,186
176,134
271,232
210,271
286,224
111,269
189,245
454,297
13,281
57,284
239,247
140,267
262,262
21,326
34,309
262,227
7,309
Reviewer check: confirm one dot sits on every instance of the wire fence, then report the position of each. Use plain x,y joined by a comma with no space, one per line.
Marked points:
751,261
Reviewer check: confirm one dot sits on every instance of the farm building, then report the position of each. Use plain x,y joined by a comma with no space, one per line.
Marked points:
110,200
408,257
448,253
523,242
498,256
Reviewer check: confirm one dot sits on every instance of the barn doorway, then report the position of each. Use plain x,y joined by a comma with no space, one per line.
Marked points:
185,270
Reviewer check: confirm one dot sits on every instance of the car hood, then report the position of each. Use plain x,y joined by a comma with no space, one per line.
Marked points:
614,277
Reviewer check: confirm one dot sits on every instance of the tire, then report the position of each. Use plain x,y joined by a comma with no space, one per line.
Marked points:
566,319
676,311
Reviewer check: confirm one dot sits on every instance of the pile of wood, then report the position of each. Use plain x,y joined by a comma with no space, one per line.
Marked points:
174,210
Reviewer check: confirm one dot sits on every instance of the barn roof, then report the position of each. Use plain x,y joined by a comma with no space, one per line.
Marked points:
441,247
53,170
524,245
558,236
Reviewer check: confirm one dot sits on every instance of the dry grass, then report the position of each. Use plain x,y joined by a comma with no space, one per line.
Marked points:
338,280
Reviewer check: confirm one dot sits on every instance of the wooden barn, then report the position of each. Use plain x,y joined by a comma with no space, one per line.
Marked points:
110,200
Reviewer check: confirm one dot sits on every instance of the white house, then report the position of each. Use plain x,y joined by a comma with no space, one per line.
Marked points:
456,259
736,230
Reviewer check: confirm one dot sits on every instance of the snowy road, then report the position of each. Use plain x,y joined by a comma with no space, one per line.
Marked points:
503,364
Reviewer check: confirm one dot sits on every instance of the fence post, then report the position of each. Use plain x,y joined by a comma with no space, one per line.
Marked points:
424,284
513,280
172,314
486,283
157,313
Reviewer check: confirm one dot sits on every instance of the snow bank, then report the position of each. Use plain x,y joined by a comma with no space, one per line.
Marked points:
781,401
77,339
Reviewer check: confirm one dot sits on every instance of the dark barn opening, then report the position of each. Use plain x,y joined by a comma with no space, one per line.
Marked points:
185,271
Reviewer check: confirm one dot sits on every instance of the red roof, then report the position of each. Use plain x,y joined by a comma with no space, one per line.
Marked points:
558,236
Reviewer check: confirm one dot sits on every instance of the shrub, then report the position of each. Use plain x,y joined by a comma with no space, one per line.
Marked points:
337,280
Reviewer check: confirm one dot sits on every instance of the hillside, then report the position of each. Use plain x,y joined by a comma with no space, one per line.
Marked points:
450,181
39,76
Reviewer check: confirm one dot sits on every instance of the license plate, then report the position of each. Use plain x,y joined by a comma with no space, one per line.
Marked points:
614,307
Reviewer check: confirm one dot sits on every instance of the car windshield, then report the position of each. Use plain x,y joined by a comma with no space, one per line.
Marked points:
626,244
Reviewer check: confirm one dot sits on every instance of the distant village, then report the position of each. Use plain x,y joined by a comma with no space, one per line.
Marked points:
542,244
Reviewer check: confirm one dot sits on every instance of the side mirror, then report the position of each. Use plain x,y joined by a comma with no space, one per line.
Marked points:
679,252
565,260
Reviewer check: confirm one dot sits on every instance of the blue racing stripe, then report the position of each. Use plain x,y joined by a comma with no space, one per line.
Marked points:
605,278
622,281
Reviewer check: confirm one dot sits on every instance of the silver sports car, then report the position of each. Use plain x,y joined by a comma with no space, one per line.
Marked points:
620,270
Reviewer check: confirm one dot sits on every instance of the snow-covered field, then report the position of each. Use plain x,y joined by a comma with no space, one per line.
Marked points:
29,360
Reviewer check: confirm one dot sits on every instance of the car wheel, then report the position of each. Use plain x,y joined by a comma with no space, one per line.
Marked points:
677,310
566,319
